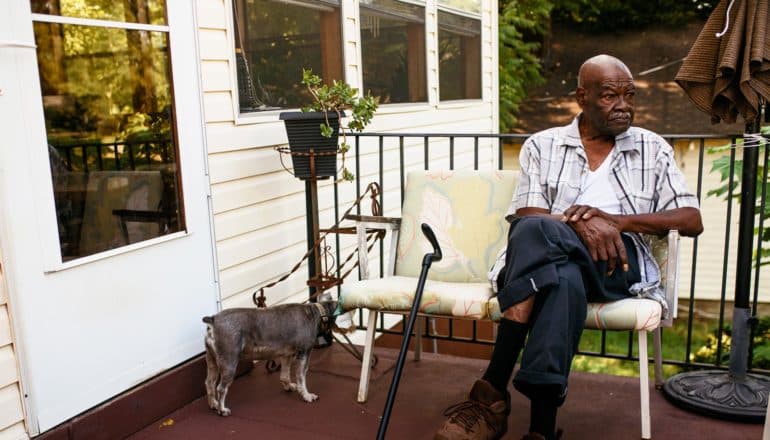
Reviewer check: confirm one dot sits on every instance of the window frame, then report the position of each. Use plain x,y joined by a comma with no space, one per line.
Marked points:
43,190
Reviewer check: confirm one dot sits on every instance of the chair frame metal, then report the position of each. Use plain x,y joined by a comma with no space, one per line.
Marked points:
365,224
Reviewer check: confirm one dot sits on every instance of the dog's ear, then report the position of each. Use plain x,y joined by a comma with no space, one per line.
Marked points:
331,308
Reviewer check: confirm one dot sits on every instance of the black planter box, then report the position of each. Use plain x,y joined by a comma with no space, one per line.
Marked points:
304,132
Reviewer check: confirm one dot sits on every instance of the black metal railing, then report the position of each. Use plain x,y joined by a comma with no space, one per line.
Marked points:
374,153
88,156
72,161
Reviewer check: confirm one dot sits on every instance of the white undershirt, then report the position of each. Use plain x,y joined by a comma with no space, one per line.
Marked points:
596,190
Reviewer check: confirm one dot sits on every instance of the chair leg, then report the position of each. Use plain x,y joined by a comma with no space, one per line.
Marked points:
657,350
366,362
432,331
644,384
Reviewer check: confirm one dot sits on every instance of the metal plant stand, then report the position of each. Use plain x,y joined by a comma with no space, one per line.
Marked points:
318,280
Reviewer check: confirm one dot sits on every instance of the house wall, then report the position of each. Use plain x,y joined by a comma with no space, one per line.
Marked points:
11,408
259,208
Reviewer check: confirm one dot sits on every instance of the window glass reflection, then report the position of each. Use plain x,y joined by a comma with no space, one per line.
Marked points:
393,50
459,45
131,11
275,40
108,115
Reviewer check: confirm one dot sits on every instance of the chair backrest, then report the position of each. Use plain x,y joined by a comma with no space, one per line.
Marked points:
466,210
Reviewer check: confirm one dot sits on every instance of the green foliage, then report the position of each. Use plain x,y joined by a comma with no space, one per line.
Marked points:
522,24
674,346
614,15
721,165
525,24
336,98
760,342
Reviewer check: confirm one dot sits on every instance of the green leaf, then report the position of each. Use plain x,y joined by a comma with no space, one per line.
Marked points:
334,98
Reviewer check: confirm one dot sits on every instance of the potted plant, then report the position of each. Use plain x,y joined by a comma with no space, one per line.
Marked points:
317,127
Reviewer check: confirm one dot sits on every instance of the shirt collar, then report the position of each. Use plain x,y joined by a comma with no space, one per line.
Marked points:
624,141
572,133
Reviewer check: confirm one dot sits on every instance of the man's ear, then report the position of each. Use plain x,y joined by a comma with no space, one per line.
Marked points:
580,96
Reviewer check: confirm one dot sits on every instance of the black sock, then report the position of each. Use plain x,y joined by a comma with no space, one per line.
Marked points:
542,418
508,344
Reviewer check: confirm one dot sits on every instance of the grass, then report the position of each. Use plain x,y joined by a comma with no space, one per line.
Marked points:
617,343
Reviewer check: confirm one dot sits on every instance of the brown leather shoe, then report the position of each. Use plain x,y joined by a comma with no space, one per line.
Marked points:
484,416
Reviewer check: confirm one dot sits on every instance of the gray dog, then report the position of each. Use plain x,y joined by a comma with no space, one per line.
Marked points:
285,332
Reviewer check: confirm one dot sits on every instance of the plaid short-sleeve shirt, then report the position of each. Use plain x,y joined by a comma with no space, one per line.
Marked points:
643,175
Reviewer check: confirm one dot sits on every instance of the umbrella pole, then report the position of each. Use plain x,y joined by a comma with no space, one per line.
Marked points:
733,394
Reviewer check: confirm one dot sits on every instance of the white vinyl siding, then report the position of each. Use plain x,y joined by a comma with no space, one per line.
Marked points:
11,409
259,208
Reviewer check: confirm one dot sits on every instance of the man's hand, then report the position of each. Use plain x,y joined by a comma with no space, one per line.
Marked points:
585,212
600,232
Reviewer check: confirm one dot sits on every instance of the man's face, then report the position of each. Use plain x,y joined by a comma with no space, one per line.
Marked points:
607,100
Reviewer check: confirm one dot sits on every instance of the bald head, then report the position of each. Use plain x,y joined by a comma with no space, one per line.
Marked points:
605,94
598,67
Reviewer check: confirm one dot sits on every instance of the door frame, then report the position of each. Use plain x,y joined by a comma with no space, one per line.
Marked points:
17,44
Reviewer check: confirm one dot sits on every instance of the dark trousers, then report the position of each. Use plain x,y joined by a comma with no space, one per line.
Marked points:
546,258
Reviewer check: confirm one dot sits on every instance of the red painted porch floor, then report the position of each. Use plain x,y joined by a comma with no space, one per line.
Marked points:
598,406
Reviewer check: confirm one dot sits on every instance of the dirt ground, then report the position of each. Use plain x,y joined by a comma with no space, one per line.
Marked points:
661,105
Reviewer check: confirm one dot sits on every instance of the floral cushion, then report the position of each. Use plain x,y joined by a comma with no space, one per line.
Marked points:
626,314
475,300
396,293
466,210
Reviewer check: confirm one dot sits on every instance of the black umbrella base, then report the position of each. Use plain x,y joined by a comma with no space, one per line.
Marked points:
718,394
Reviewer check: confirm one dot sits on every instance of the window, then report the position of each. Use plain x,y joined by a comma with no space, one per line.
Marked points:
393,50
459,46
107,100
275,40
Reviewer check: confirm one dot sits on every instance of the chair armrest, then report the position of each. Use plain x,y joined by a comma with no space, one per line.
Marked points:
365,223
376,222
672,277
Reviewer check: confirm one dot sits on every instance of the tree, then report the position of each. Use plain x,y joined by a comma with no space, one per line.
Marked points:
525,27
522,26
614,15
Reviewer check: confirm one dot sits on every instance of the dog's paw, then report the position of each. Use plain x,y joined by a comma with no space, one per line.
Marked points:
224,412
289,386
309,397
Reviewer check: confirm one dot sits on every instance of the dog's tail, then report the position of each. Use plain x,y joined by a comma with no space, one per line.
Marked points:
208,319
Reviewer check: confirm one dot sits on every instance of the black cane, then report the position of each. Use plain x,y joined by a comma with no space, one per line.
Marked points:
426,261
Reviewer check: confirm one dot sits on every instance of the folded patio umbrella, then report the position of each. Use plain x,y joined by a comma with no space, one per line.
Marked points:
726,76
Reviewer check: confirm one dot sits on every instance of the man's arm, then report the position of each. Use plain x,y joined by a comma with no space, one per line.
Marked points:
600,236
687,220
523,212
601,231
